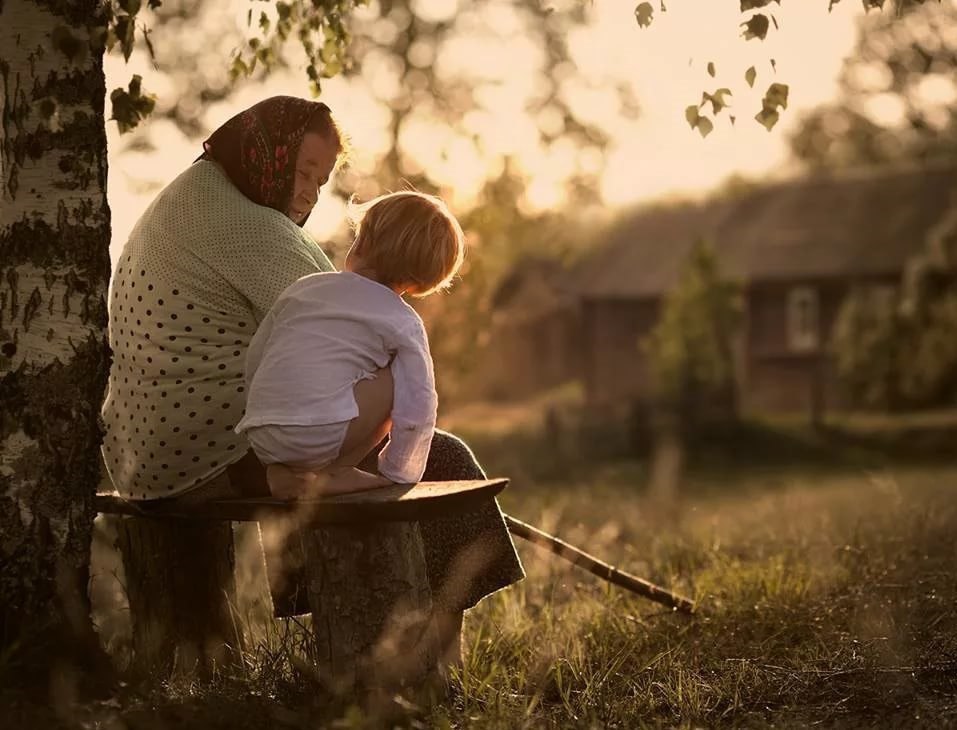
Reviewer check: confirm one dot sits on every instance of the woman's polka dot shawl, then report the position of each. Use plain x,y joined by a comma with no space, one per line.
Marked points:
200,270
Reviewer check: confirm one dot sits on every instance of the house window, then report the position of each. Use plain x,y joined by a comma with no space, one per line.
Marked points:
803,321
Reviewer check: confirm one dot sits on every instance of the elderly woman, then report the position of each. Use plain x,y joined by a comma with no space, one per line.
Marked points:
201,268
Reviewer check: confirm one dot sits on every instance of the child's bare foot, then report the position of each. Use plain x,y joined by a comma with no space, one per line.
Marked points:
345,479
286,482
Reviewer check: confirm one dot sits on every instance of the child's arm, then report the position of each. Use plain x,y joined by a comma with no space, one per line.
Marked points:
414,407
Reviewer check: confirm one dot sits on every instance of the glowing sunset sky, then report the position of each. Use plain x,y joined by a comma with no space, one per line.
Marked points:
653,155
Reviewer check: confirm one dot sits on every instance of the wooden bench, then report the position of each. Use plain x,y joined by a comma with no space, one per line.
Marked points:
366,580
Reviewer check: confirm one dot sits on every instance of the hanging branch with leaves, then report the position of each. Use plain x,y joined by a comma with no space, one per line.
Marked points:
321,29
319,26
130,105
758,19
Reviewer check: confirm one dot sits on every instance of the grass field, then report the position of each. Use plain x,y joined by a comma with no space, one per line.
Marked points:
826,590
825,599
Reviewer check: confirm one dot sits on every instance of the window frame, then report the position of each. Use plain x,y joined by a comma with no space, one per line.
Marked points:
803,313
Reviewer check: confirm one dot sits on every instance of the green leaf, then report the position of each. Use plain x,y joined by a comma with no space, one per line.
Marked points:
750,75
777,96
125,28
692,115
711,69
644,13
329,52
132,105
756,27
717,99
696,121
238,68
768,117
331,68
149,44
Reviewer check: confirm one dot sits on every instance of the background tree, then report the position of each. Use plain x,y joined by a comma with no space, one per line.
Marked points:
503,235
897,93
896,105
868,339
434,88
691,349
899,351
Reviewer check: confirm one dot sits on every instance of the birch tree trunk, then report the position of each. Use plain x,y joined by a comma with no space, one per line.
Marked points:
54,356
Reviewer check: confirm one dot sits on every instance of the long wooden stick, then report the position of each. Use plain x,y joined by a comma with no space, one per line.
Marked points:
597,567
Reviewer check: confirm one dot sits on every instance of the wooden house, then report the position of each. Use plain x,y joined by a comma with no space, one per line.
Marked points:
796,247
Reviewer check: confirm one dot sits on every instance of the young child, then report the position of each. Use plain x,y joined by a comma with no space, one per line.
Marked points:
341,359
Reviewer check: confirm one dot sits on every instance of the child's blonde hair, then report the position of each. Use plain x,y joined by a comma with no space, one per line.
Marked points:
409,238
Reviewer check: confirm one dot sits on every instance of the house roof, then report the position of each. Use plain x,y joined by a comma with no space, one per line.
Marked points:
862,222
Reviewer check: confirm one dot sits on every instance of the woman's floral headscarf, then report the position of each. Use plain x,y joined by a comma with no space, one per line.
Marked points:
258,147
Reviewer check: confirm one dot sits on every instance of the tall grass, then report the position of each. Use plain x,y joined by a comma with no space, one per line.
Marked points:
827,596
829,602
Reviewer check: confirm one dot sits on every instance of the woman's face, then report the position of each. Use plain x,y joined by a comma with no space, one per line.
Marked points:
314,164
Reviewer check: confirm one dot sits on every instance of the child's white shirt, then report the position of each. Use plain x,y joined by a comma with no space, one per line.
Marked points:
325,333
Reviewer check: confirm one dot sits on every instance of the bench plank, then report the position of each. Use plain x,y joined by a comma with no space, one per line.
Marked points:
397,503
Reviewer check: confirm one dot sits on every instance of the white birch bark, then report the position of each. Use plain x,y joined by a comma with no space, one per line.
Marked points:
54,272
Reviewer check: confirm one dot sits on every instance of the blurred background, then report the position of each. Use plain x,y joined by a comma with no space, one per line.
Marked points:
629,281
725,363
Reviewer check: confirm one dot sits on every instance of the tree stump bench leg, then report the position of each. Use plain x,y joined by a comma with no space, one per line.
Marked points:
182,591
372,620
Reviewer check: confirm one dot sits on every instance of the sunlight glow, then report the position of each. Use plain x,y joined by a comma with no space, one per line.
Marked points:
652,155
886,109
